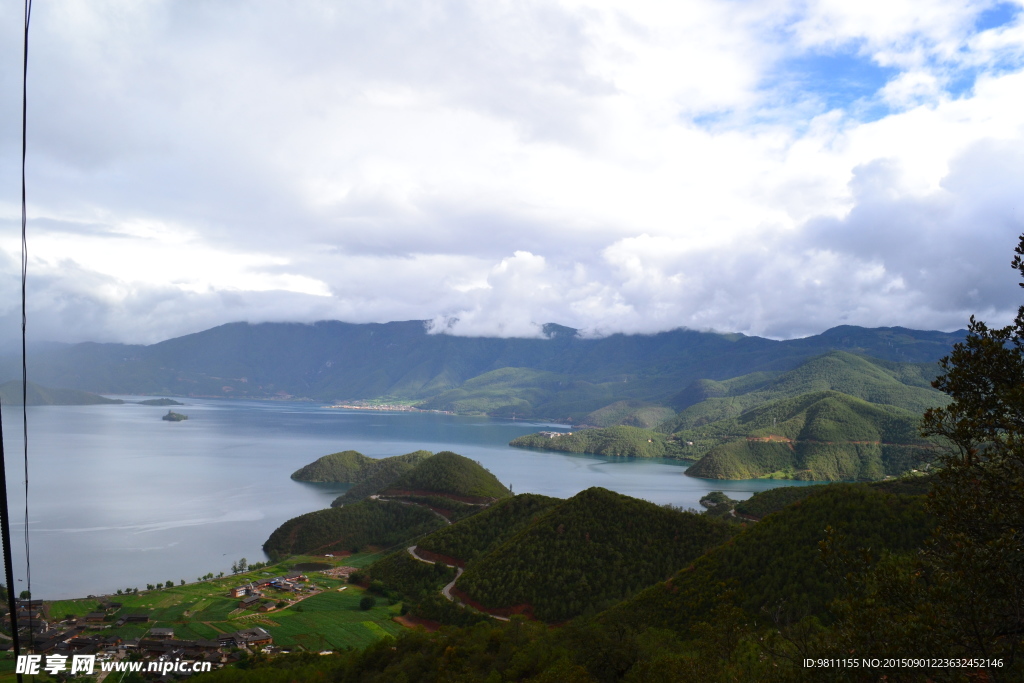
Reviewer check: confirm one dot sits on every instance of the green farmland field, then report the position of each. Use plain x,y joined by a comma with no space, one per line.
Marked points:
329,620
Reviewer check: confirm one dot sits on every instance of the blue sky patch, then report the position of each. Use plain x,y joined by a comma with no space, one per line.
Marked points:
997,16
710,119
816,82
838,80
963,82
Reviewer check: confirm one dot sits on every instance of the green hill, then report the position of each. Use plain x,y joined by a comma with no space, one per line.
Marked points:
904,385
630,413
408,577
775,564
343,467
505,392
369,522
11,395
749,609
818,436
615,441
587,553
420,583
352,467
448,474
764,503
378,475
476,536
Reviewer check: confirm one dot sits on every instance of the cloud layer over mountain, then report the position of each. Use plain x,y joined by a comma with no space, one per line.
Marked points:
773,168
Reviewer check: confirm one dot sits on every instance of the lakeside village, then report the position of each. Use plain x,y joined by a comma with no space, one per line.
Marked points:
389,407
66,635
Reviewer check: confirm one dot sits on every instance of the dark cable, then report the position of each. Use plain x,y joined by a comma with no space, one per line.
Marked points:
24,316
5,533
5,513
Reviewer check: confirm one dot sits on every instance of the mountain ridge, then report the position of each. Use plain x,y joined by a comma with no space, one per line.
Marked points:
561,376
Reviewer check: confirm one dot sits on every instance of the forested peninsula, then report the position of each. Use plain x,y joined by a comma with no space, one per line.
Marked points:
394,498
835,417
632,442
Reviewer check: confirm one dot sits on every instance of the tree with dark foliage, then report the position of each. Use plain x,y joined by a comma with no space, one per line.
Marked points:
978,496
962,595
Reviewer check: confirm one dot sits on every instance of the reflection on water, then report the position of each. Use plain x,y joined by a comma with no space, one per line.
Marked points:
125,498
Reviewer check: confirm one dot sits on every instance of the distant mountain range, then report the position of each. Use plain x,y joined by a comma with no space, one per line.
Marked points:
635,379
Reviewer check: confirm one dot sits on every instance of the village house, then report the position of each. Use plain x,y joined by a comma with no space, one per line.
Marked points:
249,601
85,646
30,609
283,585
250,636
255,636
49,639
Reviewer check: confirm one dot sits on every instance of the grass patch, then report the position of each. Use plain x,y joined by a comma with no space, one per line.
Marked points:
332,621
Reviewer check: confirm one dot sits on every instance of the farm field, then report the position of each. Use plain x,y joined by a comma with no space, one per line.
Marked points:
328,619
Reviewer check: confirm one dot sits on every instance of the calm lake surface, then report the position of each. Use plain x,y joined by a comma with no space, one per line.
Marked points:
119,498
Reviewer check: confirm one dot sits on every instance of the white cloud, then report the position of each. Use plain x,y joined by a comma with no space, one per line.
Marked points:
611,166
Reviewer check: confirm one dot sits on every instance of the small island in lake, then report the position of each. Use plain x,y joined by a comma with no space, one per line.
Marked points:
172,416
160,402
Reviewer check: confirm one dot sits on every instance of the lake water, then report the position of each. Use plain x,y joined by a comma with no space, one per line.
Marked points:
120,498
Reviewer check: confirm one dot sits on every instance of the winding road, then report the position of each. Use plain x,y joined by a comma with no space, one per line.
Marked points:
447,590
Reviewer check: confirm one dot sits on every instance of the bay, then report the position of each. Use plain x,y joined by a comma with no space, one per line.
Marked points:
119,498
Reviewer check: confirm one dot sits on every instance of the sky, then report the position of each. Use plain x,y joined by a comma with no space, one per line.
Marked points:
770,167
